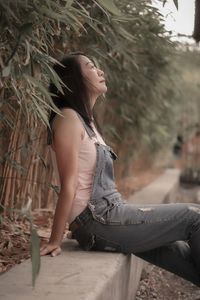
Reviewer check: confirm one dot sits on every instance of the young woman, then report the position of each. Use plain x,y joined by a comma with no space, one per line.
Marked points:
166,235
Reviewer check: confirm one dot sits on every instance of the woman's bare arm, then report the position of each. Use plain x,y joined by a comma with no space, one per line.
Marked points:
68,133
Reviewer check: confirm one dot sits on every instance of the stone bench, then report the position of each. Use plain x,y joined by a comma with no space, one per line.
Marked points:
80,275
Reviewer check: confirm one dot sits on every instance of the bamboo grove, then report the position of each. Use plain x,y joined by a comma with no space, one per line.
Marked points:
126,38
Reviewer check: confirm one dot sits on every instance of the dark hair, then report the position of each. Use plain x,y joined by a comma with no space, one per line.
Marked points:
75,93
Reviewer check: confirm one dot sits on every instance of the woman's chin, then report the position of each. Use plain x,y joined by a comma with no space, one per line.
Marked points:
104,89
100,91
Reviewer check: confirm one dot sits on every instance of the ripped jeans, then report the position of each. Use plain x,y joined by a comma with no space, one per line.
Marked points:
166,235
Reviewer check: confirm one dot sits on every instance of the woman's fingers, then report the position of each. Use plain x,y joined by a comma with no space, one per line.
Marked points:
56,252
69,234
45,250
50,249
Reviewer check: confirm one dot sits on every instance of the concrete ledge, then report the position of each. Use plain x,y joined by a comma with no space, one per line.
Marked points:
158,191
80,275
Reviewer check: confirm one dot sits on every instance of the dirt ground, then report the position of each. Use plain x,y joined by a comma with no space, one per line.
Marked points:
159,284
15,237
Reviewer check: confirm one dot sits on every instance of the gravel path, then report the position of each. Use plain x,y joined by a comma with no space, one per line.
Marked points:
159,284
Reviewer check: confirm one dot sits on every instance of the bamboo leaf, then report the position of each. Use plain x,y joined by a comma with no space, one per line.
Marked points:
110,6
176,3
26,29
69,3
35,255
28,53
41,113
43,161
55,78
75,19
38,85
56,188
126,34
6,71
8,10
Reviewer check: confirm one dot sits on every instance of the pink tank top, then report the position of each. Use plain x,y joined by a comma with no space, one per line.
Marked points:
87,163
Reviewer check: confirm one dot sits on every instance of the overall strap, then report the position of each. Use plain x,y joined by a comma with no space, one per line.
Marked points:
89,131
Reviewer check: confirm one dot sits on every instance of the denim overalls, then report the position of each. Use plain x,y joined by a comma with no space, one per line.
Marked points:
167,235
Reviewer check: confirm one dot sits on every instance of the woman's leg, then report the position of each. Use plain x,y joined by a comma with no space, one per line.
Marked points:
136,229
175,258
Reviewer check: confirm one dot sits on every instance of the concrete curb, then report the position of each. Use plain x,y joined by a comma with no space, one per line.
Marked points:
80,275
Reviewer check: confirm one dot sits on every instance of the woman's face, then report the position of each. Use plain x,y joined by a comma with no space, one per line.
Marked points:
94,77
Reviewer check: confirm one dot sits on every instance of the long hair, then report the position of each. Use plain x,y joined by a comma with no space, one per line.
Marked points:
75,93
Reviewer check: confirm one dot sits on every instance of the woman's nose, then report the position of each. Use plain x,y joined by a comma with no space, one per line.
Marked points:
100,72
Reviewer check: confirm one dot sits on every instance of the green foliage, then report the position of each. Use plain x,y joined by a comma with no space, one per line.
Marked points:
186,104
28,36
125,37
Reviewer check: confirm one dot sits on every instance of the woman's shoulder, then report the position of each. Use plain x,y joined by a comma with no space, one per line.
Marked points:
67,115
67,120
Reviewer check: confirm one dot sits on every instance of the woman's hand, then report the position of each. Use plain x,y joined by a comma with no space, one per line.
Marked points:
49,248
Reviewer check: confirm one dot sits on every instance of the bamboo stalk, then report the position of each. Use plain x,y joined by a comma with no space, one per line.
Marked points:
17,185
7,173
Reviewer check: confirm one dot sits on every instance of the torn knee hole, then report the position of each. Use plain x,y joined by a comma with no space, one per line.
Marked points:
145,208
194,208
